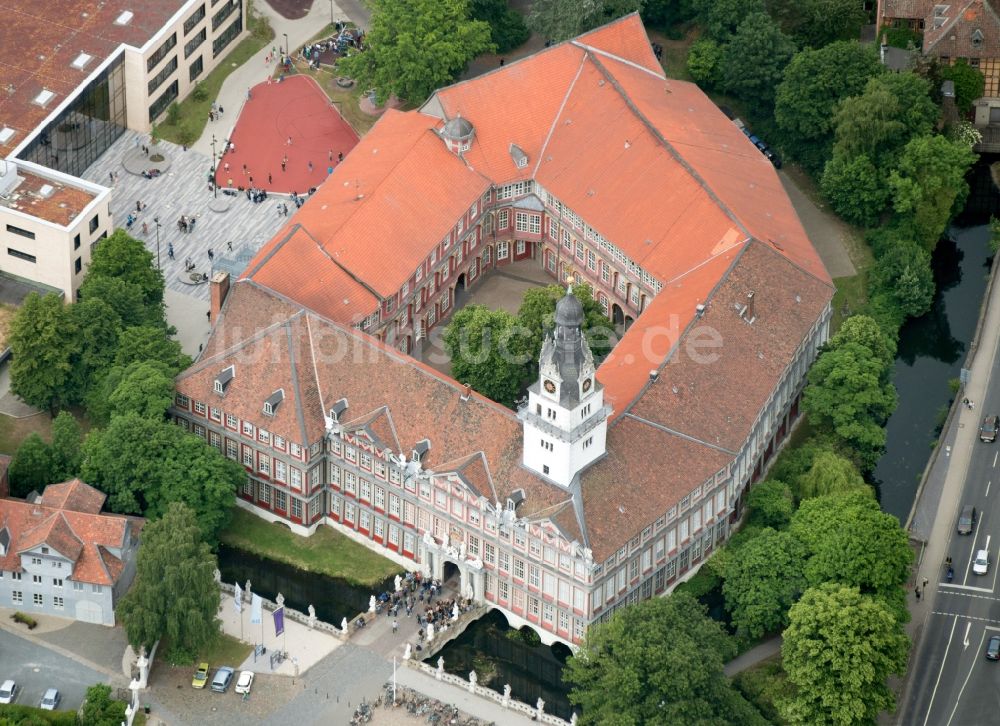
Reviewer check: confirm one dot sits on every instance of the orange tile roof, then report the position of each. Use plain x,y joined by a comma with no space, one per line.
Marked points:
84,537
74,494
61,205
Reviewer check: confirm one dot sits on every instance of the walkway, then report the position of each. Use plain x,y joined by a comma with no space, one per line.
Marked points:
183,190
759,653
827,232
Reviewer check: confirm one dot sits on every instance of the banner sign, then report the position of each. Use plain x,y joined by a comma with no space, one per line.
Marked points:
279,621
238,598
255,607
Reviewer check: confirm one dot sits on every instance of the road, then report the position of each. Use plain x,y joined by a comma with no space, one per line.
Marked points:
952,682
35,669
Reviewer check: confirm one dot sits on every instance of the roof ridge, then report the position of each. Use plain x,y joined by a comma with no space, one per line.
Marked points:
334,260
262,333
674,432
658,135
555,118
299,413
771,247
312,360
947,27
601,51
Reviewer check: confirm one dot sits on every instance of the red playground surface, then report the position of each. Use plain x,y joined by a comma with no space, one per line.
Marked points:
295,109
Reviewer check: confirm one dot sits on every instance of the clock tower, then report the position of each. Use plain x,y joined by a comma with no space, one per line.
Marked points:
565,421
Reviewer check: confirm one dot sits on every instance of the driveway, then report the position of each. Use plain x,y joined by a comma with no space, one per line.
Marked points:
36,668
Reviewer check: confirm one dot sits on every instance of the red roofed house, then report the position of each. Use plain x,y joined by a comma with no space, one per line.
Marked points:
61,556
607,485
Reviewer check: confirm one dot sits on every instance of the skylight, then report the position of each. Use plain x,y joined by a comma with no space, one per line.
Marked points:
44,97
125,18
81,61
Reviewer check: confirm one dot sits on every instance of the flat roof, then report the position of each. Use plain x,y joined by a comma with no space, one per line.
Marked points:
39,42
46,199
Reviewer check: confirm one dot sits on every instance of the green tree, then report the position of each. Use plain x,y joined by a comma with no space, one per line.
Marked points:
99,709
817,23
124,297
146,342
704,62
144,465
537,314
893,108
559,20
125,258
174,592
754,60
771,504
969,83
65,452
657,662
98,327
720,18
865,331
830,474
838,650
43,343
903,271
146,388
928,184
485,352
763,578
415,47
815,82
31,466
666,15
507,27
850,540
856,189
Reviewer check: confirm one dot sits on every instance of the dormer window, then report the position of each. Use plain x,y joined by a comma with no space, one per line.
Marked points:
338,409
977,37
422,447
223,380
273,401
517,154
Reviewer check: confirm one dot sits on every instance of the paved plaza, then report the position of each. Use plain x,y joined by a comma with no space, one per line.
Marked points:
182,190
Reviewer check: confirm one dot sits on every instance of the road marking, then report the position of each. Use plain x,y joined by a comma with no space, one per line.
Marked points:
995,459
965,587
965,643
966,594
944,660
988,486
963,615
966,681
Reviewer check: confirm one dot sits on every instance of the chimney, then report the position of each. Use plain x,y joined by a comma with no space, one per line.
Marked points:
467,393
220,288
653,375
748,313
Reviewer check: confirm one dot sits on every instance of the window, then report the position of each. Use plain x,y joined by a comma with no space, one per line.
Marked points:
37,599
36,579
21,255
161,52
195,69
519,246
248,429
521,221
224,13
280,470
36,560
247,488
16,597
264,464
57,582
503,249
157,80
78,265
76,242
296,477
503,219
591,260
78,586
264,492
220,43
296,451
58,602
232,451
194,19
296,508
280,500
547,445
165,99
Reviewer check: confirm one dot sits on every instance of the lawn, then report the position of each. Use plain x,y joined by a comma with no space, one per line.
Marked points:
192,112
223,650
761,685
850,298
326,552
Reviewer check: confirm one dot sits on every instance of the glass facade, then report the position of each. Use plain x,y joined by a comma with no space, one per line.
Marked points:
165,99
220,43
83,131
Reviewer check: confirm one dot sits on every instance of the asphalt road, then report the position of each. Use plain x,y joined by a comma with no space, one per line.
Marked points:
36,669
953,683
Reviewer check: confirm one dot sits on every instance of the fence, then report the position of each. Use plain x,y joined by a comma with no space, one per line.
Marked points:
536,713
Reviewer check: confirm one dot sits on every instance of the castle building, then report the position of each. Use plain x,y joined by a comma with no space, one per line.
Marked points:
612,482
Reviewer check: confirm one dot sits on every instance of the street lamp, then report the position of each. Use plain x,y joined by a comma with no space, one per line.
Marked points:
331,12
288,51
215,171
156,221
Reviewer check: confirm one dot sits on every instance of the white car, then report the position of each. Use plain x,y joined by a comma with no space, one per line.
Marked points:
50,701
8,691
981,565
244,682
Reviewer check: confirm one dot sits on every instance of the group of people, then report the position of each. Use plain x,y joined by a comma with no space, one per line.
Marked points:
215,112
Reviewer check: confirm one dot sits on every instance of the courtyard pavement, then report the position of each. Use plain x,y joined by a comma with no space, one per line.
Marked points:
183,190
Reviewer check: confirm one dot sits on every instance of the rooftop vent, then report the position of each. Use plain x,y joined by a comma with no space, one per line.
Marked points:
125,18
81,61
223,380
517,154
653,375
6,134
467,392
44,97
272,402
46,191
699,309
748,313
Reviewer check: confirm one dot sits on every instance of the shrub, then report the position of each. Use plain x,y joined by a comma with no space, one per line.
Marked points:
199,93
20,617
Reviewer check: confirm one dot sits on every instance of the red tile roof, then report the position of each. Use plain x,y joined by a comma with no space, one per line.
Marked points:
957,31
84,537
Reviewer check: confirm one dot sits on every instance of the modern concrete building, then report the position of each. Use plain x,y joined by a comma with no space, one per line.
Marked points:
612,482
59,555
74,75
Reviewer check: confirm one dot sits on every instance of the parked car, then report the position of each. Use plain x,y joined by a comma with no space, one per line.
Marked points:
51,699
773,158
988,431
244,682
967,519
200,676
8,691
993,648
981,565
223,677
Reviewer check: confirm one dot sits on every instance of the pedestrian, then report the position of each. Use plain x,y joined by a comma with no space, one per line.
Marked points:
502,61
225,167
916,590
211,116
248,94
310,167
220,110
251,181
965,402
925,584
329,155
340,156
111,174
211,254
208,316
268,177
229,246
170,250
289,142
145,228
244,170
395,624
284,162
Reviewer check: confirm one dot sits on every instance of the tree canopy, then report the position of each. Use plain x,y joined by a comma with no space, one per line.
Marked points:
174,592
771,504
537,313
416,47
658,661
507,27
99,709
817,23
42,341
486,353
829,474
838,650
763,577
754,60
31,466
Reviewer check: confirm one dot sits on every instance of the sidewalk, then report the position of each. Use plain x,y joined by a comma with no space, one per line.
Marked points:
233,93
446,693
768,649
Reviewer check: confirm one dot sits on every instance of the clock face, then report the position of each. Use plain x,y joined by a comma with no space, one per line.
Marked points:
586,385
550,386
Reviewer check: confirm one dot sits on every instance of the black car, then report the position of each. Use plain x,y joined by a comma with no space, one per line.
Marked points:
967,519
993,648
988,431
